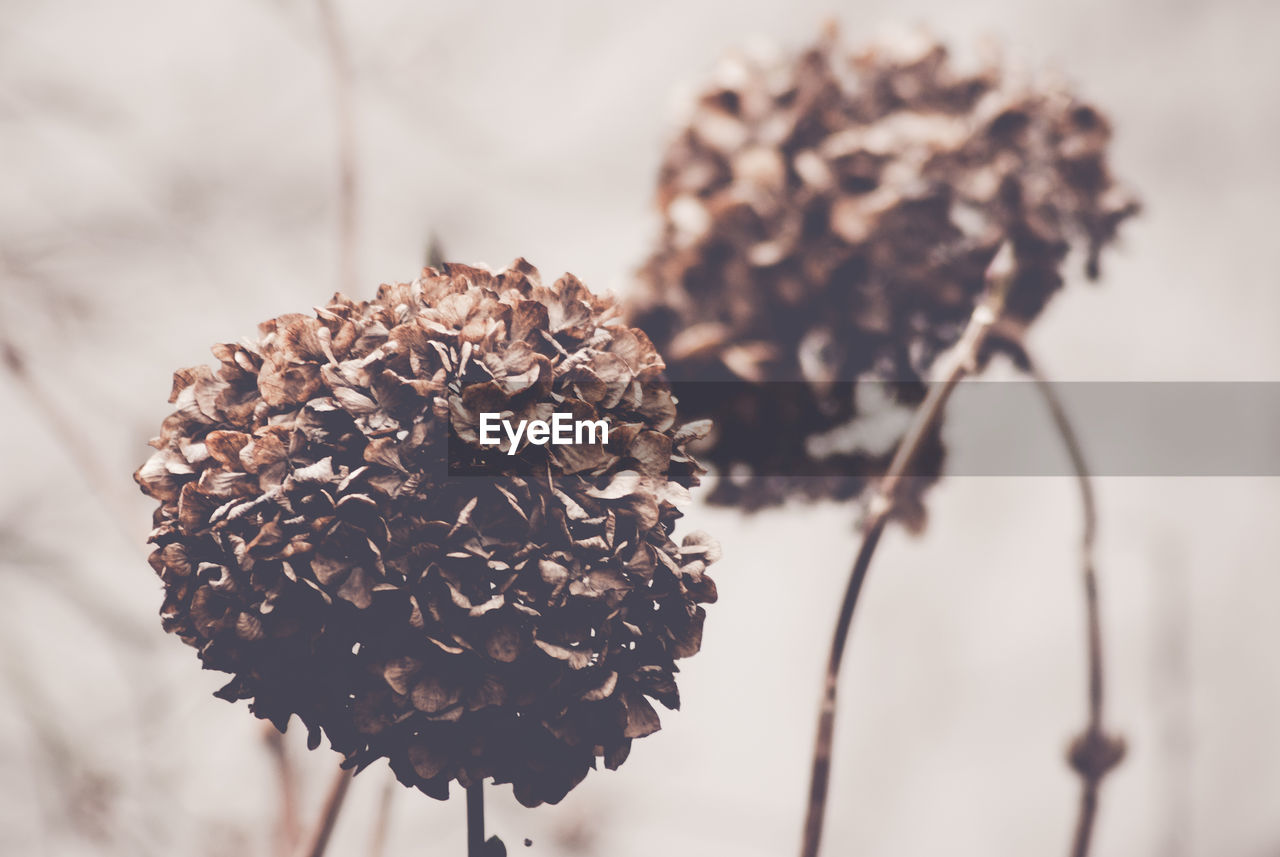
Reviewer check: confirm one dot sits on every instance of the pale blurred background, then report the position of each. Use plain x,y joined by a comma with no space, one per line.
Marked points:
169,179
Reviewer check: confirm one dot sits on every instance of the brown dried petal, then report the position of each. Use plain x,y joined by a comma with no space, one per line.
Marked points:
314,539
828,219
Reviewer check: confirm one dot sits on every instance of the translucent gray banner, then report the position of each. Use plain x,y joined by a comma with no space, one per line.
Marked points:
990,428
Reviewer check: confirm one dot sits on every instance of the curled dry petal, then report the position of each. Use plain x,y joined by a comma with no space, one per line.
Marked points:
331,532
827,220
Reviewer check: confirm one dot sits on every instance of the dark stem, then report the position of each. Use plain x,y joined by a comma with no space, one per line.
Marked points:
960,361
318,841
1094,753
820,777
475,819
1088,537
1083,835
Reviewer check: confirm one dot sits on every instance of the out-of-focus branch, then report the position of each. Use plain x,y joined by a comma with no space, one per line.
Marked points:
13,362
72,588
435,251
1093,753
348,170
288,827
958,362
318,840
83,791
1173,638
382,822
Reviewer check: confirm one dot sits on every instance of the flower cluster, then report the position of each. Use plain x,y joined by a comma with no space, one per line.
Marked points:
827,219
331,532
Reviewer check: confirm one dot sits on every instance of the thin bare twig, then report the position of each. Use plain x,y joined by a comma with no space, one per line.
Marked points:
72,587
348,172
1094,753
382,822
1172,667
71,439
318,840
288,827
340,68
955,365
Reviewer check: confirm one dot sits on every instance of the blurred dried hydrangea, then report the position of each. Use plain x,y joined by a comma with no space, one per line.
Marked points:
827,220
316,539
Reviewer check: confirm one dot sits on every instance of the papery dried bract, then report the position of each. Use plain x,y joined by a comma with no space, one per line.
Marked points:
318,536
828,219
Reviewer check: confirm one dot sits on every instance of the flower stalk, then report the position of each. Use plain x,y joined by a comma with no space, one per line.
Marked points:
475,819
1094,752
959,362
287,826
318,840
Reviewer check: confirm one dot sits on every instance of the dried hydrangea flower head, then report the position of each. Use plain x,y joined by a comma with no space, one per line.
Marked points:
319,538
828,218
